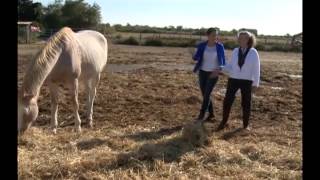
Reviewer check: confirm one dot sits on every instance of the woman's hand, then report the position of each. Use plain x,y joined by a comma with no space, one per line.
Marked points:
215,73
221,73
254,89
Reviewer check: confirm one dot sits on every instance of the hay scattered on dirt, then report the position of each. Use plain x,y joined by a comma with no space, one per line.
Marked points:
138,116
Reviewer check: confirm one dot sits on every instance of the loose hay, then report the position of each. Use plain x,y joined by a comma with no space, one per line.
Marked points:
131,102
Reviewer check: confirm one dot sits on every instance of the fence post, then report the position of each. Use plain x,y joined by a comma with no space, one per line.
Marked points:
28,34
140,38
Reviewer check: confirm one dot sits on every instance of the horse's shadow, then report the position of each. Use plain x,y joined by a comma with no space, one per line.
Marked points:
166,150
157,148
145,156
90,144
153,135
140,136
169,150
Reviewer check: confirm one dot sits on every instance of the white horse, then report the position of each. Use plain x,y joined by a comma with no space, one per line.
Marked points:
68,58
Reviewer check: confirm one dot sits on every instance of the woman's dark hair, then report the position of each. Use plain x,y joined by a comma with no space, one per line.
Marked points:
210,30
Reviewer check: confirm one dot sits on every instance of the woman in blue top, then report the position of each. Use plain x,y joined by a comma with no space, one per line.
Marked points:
210,59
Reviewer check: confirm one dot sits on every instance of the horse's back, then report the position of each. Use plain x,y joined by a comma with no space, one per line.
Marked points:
93,38
94,48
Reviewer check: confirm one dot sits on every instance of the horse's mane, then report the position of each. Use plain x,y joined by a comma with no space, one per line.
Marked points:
53,45
42,65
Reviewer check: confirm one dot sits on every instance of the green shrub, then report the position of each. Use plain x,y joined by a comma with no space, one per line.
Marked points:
230,44
180,43
260,47
130,41
118,36
153,42
279,47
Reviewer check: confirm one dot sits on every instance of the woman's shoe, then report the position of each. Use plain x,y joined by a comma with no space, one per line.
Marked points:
210,118
200,117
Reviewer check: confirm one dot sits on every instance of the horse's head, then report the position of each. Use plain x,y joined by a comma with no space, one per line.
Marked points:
27,111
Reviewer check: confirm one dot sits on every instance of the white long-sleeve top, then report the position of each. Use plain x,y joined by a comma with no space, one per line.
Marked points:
210,59
250,70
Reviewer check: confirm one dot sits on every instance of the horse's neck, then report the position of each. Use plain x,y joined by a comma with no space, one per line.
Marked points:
46,60
38,72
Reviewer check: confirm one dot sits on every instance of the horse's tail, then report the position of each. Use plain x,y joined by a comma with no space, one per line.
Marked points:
106,51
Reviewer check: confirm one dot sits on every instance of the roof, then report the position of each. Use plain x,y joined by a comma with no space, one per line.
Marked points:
24,22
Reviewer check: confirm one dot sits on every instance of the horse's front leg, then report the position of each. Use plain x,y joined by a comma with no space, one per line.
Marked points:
74,97
54,93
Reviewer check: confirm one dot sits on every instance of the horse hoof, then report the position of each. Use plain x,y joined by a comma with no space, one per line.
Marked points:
90,124
54,131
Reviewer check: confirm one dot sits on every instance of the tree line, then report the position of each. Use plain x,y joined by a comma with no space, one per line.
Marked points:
72,13
79,14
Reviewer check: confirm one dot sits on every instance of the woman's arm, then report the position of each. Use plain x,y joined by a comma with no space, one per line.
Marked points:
196,56
256,69
228,66
223,57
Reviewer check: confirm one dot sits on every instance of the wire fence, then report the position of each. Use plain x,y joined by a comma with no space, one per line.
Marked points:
114,37
142,36
172,38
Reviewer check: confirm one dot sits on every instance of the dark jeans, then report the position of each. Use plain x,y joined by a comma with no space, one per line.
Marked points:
206,85
233,85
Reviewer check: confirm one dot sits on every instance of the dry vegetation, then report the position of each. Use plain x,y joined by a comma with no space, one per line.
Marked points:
145,96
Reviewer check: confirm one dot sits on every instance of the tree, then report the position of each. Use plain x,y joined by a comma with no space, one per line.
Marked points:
129,28
29,11
234,32
52,18
94,14
37,12
179,28
118,27
73,13
79,14
106,28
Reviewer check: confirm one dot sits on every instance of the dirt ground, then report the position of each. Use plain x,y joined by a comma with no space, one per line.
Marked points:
145,96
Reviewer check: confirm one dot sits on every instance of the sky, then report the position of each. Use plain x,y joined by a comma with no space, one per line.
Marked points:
269,17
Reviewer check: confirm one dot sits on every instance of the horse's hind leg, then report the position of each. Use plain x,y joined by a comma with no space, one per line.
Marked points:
91,96
74,97
88,98
54,93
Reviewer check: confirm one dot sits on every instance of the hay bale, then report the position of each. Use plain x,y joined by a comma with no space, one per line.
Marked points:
192,100
195,133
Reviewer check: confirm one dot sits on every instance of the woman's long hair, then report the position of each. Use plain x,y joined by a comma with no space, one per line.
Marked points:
252,39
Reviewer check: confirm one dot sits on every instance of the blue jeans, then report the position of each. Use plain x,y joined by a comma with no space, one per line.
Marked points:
206,85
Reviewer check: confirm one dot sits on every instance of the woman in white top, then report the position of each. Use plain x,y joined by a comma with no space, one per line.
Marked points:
244,74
